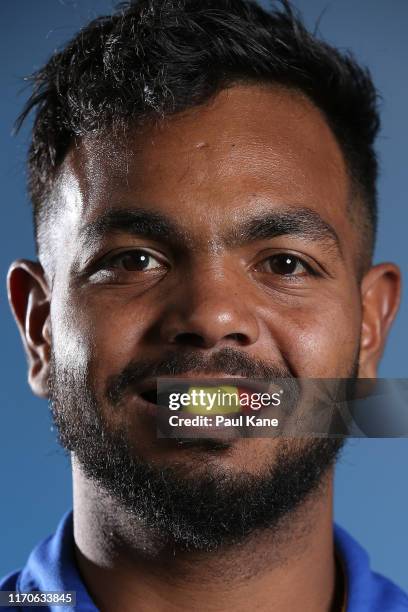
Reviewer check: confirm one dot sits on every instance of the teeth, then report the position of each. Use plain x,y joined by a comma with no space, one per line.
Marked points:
214,407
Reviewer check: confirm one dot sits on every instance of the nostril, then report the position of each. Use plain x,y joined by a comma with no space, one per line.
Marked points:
238,337
190,339
200,341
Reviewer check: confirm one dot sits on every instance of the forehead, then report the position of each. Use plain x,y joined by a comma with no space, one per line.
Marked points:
248,148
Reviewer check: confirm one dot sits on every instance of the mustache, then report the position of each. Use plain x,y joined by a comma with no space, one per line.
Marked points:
176,363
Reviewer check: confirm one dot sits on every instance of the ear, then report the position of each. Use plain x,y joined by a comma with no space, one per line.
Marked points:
380,295
29,299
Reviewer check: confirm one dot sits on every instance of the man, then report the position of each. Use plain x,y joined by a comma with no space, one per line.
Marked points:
204,188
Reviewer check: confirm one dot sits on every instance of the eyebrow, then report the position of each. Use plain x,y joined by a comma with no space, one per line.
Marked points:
297,221
134,221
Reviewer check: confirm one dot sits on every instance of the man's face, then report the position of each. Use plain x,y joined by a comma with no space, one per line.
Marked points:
218,242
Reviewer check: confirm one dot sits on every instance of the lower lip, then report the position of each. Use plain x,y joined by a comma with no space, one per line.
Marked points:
145,407
152,410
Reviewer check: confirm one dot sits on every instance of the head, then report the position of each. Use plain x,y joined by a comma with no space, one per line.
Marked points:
203,181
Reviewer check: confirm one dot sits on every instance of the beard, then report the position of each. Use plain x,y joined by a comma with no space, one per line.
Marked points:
199,509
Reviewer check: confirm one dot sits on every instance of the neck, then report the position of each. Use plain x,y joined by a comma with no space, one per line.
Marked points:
125,567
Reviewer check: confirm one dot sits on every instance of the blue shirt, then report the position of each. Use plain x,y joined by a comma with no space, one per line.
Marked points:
51,566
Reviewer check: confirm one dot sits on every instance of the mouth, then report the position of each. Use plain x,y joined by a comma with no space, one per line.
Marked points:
152,397
149,396
148,388
152,400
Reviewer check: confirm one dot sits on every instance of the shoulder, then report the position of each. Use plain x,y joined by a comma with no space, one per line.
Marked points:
389,596
9,581
366,590
40,569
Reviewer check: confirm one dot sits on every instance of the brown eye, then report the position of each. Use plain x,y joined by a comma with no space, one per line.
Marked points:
135,261
286,264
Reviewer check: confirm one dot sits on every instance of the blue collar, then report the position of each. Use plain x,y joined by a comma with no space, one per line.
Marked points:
51,566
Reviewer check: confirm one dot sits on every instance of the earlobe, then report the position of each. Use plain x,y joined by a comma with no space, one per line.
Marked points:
380,295
29,299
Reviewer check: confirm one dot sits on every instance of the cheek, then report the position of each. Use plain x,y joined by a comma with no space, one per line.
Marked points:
99,334
71,338
319,340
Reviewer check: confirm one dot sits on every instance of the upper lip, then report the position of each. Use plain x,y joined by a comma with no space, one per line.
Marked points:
252,384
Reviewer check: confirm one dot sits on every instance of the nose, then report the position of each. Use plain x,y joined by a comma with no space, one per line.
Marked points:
211,314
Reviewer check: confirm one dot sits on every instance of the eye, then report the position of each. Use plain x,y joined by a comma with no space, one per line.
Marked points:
286,264
134,266
136,260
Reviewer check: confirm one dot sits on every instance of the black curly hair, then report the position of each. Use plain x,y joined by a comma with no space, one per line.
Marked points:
151,58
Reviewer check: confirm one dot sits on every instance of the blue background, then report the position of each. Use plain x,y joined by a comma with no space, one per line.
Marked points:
371,498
